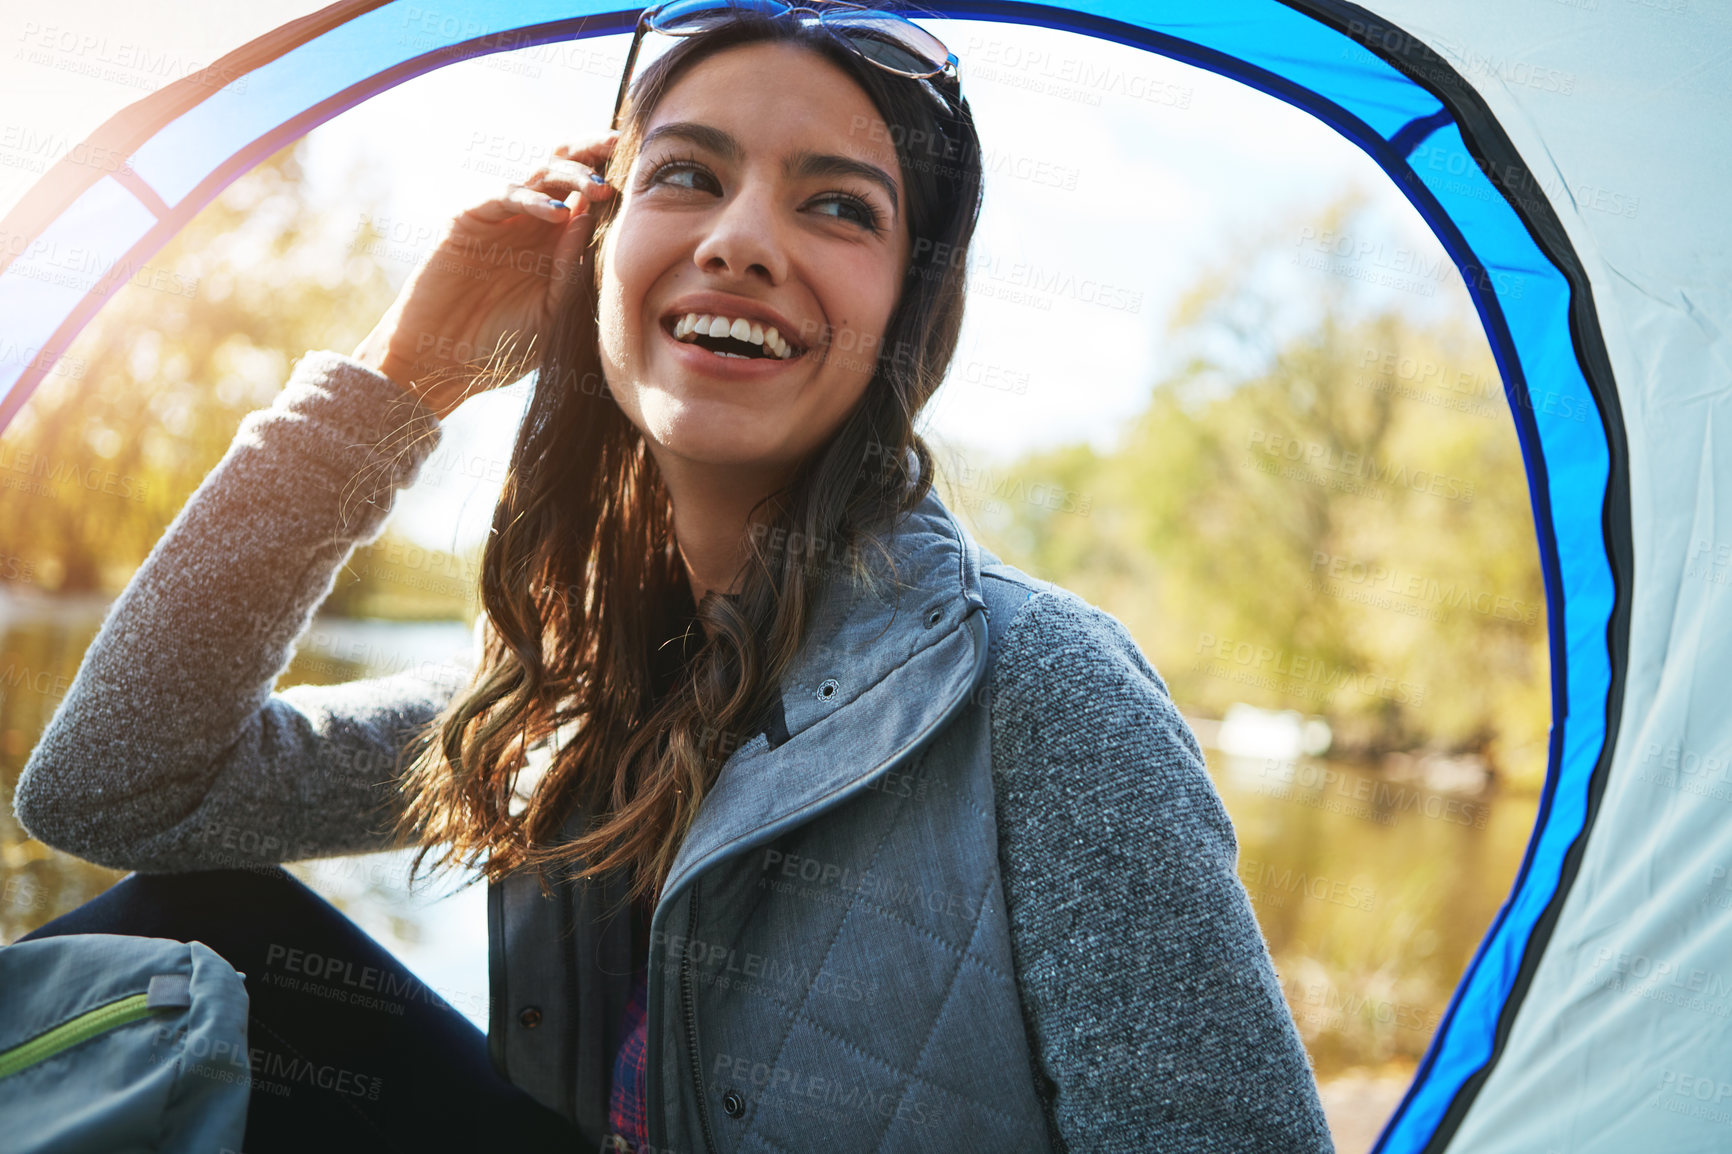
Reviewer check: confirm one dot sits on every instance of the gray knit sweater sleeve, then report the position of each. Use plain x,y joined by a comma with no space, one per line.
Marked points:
170,751
1154,1010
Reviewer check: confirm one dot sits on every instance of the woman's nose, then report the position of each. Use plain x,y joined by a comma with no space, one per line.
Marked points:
745,237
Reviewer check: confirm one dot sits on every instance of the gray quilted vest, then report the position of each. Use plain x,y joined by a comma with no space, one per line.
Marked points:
830,958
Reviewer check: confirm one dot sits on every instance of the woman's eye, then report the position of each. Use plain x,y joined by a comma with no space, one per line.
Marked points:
861,212
671,172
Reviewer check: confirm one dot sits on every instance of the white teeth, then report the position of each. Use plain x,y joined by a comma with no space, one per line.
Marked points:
738,328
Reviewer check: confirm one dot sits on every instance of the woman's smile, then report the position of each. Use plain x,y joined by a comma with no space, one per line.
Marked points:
715,328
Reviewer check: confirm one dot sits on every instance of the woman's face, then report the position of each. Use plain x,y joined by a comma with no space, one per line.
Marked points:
767,191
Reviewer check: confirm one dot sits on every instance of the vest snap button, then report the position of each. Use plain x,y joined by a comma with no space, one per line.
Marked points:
828,687
733,1104
529,1017
933,617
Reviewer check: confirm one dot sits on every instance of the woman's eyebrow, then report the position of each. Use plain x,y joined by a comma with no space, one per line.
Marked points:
806,163
801,164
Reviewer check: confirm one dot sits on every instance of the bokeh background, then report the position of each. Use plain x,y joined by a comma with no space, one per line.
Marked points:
1217,378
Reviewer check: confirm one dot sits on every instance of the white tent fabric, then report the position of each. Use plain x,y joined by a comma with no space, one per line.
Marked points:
1600,1025
1622,1041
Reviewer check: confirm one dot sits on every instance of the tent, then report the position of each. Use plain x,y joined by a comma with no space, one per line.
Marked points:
1565,154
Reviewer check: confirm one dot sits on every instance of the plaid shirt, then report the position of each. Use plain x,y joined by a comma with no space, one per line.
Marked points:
625,1113
626,1102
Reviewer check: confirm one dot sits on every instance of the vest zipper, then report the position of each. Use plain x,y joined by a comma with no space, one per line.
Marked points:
68,1034
691,1012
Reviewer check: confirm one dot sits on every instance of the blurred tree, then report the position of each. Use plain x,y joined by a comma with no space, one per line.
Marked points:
158,382
1335,521
108,449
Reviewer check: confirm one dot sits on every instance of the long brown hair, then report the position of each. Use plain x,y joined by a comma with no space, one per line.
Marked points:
591,627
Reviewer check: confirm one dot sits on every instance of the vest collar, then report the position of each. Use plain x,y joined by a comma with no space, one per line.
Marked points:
879,674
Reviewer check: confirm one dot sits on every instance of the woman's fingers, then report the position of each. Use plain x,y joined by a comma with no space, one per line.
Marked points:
594,152
591,151
518,199
546,193
561,177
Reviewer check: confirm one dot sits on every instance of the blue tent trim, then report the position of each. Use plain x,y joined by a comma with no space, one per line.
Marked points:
1381,88
1414,132
1577,772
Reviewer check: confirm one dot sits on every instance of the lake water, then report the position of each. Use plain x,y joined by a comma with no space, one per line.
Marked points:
1373,893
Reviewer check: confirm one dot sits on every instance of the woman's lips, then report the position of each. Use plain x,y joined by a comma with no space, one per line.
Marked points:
736,367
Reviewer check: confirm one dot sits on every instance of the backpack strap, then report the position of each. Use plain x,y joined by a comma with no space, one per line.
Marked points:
1006,589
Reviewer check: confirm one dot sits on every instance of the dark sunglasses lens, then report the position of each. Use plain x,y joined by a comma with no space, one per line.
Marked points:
891,41
687,17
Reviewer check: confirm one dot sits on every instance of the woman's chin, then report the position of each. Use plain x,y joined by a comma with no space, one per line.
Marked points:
712,431
697,442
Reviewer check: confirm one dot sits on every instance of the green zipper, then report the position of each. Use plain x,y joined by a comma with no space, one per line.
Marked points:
82,1028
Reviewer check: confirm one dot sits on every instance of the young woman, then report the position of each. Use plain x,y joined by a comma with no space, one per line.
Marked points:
807,821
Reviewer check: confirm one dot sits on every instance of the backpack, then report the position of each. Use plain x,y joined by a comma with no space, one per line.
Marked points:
111,1042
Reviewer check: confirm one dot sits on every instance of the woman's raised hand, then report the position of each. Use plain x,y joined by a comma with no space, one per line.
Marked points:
495,279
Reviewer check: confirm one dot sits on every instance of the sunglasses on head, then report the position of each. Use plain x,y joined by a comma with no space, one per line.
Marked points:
890,41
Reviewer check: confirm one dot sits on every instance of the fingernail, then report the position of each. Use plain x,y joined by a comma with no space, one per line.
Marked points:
556,203
597,178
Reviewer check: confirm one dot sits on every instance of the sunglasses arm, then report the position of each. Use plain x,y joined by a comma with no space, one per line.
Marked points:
630,60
